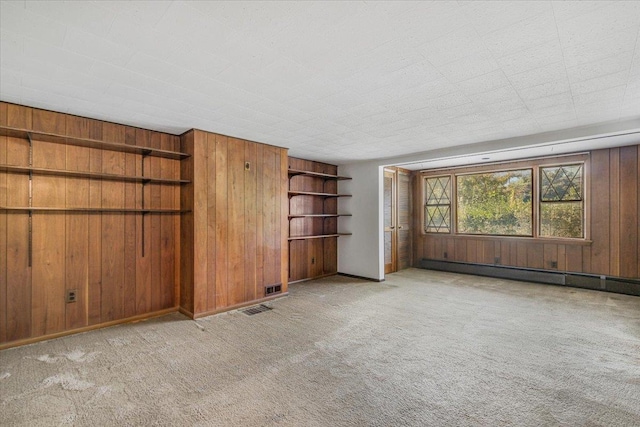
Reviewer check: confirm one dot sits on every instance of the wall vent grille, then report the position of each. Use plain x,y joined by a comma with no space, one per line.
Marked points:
273,289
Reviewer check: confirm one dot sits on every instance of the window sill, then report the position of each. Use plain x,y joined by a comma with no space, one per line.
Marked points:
543,240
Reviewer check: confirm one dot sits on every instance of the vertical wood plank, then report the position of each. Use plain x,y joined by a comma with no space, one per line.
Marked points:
629,258
614,212
437,248
94,286
48,267
535,255
281,237
479,251
260,170
200,191
472,251
186,225
417,247
416,234
461,250
550,256
77,241
600,205
271,266
143,231
562,258
211,223
513,254
131,239
236,220
315,257
177,221
222,221
586,259
250,224
451,249
18,270
574,258
155,235
112,295
521,254
505,253
3,229
488,251
330,260
428,247
299,257
167,227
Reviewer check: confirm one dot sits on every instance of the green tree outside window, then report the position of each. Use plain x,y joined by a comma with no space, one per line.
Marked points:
496,203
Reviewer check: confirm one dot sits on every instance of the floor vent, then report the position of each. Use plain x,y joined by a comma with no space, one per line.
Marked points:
273,289
256,309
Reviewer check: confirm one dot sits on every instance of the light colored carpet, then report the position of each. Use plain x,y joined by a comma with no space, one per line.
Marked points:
423,348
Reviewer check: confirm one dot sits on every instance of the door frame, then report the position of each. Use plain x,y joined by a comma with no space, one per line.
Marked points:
393,266
395,226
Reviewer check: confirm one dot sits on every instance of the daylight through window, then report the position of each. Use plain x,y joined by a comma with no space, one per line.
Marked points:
497,203
437,210
502,203
561,201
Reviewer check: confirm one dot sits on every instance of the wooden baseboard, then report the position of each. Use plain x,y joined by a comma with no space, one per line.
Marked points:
185,312
132,319
234,307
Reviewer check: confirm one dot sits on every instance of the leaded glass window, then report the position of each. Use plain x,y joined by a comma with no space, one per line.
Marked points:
562,201
437,209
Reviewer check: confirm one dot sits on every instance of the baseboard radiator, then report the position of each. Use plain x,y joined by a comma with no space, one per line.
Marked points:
577,280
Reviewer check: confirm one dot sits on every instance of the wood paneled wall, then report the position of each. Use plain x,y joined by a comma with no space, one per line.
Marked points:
614,222
234,240
313,257
97,254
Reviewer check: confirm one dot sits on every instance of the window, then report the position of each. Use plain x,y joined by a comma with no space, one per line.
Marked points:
561,201
437,209
497,203
533,198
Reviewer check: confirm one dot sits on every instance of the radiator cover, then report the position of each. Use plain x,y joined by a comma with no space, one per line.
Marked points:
577,280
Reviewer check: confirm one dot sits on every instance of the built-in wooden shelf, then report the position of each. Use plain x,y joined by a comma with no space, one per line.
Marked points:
90,143
92,175
91,210
318,236
310,193
318,215
313,219
294,172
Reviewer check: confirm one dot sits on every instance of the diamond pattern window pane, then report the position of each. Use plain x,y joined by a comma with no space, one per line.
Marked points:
438,190
561,183
438,219
561,205
437,212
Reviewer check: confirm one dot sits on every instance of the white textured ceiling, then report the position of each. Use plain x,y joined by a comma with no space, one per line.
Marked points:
332,81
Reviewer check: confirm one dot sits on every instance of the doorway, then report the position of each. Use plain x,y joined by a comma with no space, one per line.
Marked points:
397,222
